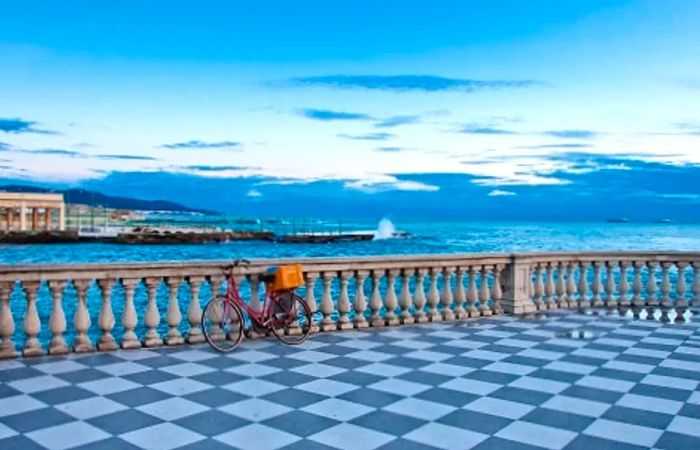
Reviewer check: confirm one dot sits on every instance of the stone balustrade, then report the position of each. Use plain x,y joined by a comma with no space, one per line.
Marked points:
103,307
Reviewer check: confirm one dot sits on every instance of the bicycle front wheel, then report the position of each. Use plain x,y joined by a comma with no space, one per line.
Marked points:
222,324
291,319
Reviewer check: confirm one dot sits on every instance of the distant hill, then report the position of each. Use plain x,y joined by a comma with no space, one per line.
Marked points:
92,198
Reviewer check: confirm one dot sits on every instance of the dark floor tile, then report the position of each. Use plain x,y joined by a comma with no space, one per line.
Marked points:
558,419
495,443
447,396
137,397
294,398
676,441
589,393
62,395
475,421
661,392
526,396
585,442
211,423
370,397
121,422
388,422
640,417
356,378
36,419
300,423
491,377
215,397
19,442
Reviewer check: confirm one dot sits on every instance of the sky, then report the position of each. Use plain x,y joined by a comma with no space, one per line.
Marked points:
366,104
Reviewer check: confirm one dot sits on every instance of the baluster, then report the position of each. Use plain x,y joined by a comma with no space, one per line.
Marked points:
390,300
57,320
32,323
484,294
106,319
81,318
651,284
446,297
550,303
624,286
637,299
597,286
460,295
254,281
360,302
433,297
681,301
327,323
405,300
7,322
310,281
344,322
583,286
539,288
194,309
173,316
610,300
666,285
375,302
129,318
152,317
496,291
696,284
571,285
472,294
419,299
560,289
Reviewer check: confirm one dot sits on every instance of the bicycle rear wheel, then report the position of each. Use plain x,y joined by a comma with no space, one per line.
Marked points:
222,324
291,319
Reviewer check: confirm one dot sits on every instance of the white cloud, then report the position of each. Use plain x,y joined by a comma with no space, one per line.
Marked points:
254,193
500,193
389,183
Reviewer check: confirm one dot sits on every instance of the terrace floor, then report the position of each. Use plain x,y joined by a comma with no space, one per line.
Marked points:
498,383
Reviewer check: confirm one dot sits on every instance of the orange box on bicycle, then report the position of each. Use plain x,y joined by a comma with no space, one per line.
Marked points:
287,277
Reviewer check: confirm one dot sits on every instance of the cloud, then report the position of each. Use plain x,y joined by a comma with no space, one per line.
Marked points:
4,146
57,151
500,193
562,145
16,125
572,134
395,121
484,129
404,83
253,193
328,115
390,184
201,144
688,128
127,157
202,168
368,136
389,149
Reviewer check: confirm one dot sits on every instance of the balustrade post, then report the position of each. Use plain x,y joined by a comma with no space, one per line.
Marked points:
681,301
81,319
560,289
57,320
310,299
7,322
344,322
496,291
194,310
360,301
405,300
460,295
597,286
254,281
173,316
583,301
484,293
695,288
550,302
610,300
516,295
624,286
472,294
539,288
446,297
327,323
637,300
129,317
32,323
106,319
390,300
419,299
375,302
651,284
433,297
571,290
666,285
152,317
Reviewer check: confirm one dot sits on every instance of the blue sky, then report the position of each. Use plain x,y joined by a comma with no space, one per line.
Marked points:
377,99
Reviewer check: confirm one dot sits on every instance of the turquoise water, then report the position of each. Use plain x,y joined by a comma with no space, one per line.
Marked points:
453,237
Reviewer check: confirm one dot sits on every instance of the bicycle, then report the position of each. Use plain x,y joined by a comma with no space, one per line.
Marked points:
283,313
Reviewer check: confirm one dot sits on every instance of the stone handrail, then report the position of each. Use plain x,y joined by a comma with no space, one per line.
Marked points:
148,299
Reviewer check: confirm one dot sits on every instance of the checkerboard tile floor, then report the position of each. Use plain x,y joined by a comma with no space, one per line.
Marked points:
491,383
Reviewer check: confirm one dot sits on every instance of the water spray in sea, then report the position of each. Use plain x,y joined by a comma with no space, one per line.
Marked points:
385,230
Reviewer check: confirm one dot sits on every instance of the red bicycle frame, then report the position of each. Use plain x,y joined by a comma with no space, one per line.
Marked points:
262,317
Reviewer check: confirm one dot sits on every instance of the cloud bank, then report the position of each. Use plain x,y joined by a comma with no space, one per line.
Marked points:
404,83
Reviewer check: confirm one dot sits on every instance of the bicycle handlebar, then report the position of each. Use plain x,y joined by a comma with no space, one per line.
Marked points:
236,263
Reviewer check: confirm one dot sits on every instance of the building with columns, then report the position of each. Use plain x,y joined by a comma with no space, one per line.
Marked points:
21,211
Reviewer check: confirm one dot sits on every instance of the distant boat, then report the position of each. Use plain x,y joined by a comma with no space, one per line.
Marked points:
663,221
619,220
